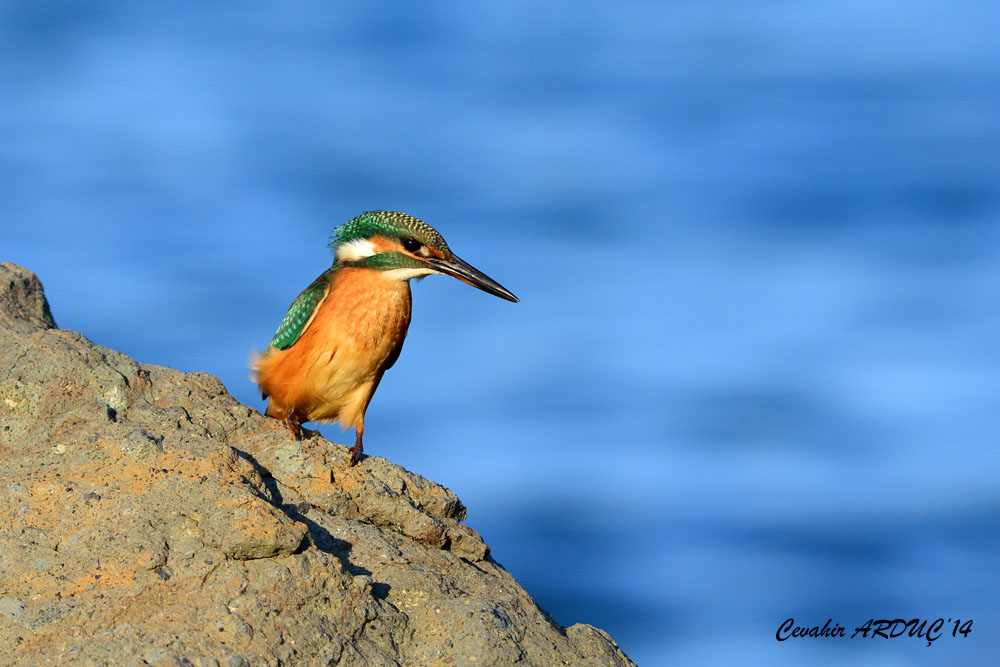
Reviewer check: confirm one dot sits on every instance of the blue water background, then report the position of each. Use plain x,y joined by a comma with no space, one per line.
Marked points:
755,373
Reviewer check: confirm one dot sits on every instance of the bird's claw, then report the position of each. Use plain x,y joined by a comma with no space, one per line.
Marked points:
356,452
294,427
355,456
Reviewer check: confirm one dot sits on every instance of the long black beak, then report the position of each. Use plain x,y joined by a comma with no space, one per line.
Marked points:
458,268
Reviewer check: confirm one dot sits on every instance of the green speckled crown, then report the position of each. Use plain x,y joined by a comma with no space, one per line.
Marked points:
392,224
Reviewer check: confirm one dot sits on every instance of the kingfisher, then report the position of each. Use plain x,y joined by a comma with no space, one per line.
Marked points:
346,329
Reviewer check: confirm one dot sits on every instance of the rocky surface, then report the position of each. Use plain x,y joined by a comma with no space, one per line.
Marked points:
147,517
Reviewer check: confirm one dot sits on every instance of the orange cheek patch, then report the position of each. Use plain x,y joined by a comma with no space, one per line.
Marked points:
383,244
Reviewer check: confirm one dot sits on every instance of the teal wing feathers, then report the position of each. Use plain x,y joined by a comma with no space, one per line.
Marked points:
301,312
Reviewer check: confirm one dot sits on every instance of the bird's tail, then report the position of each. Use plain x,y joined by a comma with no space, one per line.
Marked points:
255,358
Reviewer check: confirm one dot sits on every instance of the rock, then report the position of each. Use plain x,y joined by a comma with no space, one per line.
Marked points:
150,518
22,302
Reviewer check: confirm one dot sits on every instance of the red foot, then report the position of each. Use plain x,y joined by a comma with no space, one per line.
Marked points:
356,452
293,424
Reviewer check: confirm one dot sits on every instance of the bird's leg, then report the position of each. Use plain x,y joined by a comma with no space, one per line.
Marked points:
294,427
357,449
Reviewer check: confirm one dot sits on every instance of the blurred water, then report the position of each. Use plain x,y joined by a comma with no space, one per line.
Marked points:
754,374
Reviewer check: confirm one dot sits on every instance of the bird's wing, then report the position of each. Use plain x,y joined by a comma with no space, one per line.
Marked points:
393,355
302,310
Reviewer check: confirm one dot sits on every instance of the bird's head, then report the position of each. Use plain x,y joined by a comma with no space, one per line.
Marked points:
404,247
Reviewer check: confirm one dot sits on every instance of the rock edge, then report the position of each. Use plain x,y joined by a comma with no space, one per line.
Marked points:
150,518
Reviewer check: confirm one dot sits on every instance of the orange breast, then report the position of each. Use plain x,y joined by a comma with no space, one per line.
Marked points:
334,367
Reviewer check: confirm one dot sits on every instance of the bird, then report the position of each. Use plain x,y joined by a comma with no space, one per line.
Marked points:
346,329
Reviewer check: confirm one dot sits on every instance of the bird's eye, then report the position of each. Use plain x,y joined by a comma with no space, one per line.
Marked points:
412,245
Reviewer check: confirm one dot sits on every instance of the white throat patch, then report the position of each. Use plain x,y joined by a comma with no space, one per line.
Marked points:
407,274
354,250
